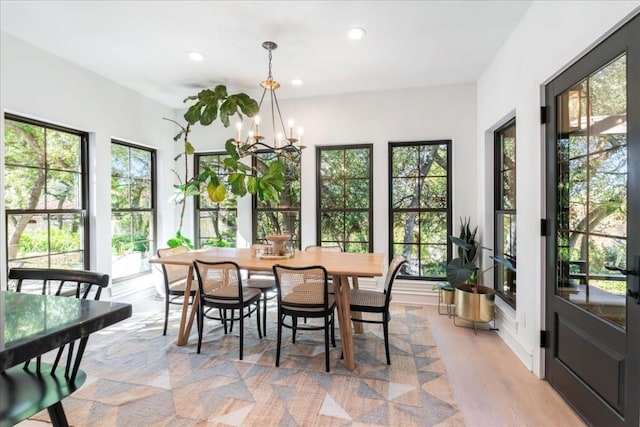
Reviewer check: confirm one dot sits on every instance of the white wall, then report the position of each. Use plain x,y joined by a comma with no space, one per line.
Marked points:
432,113
37,84
549,37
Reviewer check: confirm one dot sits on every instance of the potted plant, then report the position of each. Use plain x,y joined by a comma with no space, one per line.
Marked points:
473,302
209,105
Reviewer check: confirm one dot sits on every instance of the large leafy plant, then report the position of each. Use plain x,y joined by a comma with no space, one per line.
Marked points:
209,105
464,270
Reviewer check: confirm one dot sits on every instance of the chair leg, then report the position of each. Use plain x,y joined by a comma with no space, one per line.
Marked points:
385,328
200,325
223,316
241,330
258,318
333,328
326,342
295,328
279,339
166,312
264,314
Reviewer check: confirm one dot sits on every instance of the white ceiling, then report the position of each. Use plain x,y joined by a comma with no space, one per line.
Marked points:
143,45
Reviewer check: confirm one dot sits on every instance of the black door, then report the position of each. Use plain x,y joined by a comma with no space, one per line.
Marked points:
593,244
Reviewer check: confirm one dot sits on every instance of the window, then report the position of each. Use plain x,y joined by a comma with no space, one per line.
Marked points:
133,213
344,197
283,218
505,209
45,176
216,223
420,207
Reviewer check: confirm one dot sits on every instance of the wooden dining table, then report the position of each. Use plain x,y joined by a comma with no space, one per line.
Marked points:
340,265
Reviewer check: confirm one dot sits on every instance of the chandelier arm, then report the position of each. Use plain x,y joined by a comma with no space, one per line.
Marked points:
284,129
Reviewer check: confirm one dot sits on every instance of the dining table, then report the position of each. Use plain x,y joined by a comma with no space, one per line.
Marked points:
341,266
32,325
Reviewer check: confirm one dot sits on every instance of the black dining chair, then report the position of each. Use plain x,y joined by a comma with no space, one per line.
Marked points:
303,292
220,287
377,302
265,282
175,280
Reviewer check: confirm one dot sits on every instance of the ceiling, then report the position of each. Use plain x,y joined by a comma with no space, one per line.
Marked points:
143,45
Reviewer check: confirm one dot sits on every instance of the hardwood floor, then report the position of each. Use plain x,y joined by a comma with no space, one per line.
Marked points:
492,387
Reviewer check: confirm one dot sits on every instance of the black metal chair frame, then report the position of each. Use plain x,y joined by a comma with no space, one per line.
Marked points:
383,310
83,283
225,303
305,311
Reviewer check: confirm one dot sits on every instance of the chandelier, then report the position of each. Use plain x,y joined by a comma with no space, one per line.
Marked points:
285,141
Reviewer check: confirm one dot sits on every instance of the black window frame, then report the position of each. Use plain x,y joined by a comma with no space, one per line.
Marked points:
153,243
448,144
499,212
216,207
256,209
84,210
319,181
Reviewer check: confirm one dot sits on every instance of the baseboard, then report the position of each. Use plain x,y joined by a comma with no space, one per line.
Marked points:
508,331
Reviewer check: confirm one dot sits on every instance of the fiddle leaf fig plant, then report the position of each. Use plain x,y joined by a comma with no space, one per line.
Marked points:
208,106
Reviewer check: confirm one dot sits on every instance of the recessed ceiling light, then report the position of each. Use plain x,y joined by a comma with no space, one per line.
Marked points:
196,56
296,82
357,33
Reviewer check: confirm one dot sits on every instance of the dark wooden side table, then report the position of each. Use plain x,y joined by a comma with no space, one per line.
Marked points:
32,325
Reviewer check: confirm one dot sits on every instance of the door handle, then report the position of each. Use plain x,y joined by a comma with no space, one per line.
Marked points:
621,270
633,289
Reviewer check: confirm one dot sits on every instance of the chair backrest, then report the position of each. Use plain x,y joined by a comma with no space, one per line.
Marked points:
173,273
77,283
335,248
219,280
302,286
394,268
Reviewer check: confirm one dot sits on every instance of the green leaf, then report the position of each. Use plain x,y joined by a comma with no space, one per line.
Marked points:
230,148
457,273
252,184
237,183
192,189
208,97
192,116
247,105
188,148
221,91
216,193
209,114
178,135
190,98
177,157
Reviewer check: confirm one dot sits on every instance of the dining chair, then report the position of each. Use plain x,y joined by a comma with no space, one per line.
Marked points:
363,301
303,292
82,284
332,248
175,280
220,287
265,282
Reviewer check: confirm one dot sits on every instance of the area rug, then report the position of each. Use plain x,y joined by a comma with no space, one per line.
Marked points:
138,377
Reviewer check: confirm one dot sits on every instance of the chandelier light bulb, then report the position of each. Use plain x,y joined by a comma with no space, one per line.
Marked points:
357,33
239,129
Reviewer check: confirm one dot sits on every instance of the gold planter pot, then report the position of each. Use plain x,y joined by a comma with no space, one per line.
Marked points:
474,307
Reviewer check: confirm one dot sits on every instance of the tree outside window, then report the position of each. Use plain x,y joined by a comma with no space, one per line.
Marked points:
344,197
282,217
420,207
505,209
45,176
216,223
133,213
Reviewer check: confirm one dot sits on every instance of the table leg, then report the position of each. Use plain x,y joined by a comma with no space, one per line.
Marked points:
185,326
344,317
358,327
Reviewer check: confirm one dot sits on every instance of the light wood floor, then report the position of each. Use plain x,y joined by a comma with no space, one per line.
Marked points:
492,387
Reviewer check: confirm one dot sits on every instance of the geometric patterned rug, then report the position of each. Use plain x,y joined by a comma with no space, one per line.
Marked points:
138,377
